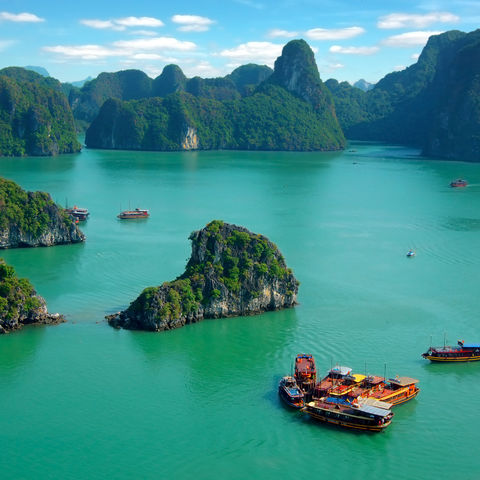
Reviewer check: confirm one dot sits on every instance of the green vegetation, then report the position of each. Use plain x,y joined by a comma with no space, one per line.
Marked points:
29,212
17,295
35,118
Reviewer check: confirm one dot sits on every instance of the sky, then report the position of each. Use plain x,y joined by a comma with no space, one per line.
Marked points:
352,40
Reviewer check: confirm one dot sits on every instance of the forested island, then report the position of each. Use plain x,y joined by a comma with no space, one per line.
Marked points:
231,272
32,219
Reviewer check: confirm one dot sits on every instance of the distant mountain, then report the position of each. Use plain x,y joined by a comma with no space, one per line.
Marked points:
433,104
40,70
35,117
290,110
363,85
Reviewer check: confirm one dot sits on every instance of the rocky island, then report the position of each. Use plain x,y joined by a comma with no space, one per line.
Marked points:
20,304
32,219
231,272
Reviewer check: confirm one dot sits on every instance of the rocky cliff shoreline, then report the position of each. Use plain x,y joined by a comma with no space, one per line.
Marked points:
231,272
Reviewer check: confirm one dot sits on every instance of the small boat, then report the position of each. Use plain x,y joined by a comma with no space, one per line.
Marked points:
78,213
463,352
133,214
349,414
411,253
349,383
396,390
459,183
305,371
290,393
335,377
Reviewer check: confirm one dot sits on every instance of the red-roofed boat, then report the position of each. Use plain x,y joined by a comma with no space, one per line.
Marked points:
463,352
305,371
459,183
133,214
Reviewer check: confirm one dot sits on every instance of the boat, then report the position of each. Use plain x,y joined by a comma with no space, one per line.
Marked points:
463,352
335,377
349,383
410,253
78,213
396,390
349,414
459,183
290,393
133,214
305,371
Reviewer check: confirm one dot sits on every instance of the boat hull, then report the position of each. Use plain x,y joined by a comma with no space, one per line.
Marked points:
433,358
290,401
401,400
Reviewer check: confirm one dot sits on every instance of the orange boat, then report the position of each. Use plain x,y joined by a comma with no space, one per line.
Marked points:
335,377
305,371
396,390
133,214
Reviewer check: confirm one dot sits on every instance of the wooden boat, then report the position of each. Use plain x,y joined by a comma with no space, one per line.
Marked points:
133,214
290,393
78,213
349,383
341,412
305,371
410,253
463,352
396,390
335,377
459,183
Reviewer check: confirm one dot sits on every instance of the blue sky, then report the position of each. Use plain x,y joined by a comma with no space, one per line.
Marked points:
351,39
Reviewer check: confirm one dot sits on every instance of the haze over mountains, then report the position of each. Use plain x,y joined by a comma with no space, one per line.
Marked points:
433,105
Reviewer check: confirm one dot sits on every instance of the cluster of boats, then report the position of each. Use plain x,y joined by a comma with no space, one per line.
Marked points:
362,402
352,400
81,214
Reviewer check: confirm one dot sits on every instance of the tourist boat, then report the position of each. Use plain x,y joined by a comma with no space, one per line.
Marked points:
335,377
342,412
395,390
463,352
458,183
78,213
369,385
410,253
133,214
349,383
305,371
290,393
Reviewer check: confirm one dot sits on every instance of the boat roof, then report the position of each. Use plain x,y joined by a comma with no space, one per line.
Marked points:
380,412
308,356
471,345
358,377
340,370
373,402
373,379
403,381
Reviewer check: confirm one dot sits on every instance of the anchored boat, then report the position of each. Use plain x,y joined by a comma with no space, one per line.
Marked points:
463,352
342,412
459,183
396,390
78,213
305,371
290,393
133,214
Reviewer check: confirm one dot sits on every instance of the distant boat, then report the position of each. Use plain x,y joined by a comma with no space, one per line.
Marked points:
459,183
78,213
290,393
410,253
463,352
133,214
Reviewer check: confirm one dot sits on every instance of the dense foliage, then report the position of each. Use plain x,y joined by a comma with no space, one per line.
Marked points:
35,118
17,296
28,212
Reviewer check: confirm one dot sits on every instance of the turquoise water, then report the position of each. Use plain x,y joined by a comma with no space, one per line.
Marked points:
84,401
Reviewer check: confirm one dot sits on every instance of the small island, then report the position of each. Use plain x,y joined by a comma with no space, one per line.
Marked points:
231,272
32,219
19,303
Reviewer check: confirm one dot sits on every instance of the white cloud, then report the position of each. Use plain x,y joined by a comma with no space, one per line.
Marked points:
156,43
409,39
85,52
255,52
139,22
192,23
203,69
20,17
333,34
415,56
399,68
123,23
144,33
335,66
353,50
275,33
408,20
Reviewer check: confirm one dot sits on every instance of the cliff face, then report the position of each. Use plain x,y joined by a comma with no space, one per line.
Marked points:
32,219
35,117
231,272
20,304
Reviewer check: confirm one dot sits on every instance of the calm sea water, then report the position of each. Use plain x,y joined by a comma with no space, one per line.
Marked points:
84,401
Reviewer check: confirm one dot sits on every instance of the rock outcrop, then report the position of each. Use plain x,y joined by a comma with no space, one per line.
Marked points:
231,272
19,303
32,219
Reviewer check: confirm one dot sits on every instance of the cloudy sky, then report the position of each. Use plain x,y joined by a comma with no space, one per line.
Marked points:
351,39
